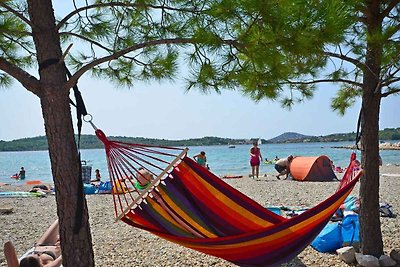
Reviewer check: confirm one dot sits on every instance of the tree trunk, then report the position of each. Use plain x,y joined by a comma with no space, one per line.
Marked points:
370,226
76,243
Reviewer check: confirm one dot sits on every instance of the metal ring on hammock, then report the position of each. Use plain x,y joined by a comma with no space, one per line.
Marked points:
89,118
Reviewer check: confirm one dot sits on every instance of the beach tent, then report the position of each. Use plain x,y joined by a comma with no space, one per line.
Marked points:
312,169
187,204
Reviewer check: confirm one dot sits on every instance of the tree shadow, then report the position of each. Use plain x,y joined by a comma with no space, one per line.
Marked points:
296,262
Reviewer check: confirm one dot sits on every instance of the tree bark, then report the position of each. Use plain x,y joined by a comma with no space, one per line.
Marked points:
76,243
370,226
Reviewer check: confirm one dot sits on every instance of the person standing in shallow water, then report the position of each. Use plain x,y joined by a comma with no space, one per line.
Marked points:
21,174
255,159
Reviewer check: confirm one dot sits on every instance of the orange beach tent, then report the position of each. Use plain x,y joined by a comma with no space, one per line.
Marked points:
316,169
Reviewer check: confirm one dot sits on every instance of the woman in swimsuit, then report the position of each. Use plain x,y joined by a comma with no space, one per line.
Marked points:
45,253
201,159
255,159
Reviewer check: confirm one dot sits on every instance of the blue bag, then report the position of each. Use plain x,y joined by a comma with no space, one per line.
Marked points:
104,188
350,230
338,234
329,239
89,189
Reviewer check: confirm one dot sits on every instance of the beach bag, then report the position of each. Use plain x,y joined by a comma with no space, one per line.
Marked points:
338,234
104,188
329,239
350,230
89,189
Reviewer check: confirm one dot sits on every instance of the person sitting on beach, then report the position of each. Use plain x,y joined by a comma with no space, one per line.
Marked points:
282,166
97,179
21,174
201,159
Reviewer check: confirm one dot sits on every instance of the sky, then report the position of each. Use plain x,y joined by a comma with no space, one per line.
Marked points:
166,110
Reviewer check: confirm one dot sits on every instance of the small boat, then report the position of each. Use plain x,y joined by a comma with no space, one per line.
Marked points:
232,146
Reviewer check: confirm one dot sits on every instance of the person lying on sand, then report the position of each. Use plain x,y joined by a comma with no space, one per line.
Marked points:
41,189
45,253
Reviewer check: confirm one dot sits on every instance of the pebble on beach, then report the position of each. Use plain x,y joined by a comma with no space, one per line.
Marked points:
117,244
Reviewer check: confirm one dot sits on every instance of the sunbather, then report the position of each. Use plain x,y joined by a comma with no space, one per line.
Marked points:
45,253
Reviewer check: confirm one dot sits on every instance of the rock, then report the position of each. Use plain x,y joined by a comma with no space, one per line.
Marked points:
347,254
5,210
395,255
367,260
386,261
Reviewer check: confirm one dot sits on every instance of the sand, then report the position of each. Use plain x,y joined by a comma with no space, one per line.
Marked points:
117,244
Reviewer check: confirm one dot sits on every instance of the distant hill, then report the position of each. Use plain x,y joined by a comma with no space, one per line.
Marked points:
91,141
289,137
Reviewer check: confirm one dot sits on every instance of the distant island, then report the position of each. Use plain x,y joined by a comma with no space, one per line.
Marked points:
91,141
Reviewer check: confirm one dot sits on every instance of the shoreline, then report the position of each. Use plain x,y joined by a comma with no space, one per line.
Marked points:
117,244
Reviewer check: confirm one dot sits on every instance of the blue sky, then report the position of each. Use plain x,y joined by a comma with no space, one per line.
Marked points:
165,110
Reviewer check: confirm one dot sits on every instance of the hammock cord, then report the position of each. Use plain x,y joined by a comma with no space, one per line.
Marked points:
80,113
136,169
359,127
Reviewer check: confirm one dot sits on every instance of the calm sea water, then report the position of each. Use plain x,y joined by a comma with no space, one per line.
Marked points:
221,159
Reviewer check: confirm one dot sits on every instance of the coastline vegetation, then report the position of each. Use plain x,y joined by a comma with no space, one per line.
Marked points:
92,142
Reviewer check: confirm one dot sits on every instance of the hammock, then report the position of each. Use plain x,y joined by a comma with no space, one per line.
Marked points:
186,204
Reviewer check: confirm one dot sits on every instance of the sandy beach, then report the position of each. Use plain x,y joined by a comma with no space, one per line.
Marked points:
117,244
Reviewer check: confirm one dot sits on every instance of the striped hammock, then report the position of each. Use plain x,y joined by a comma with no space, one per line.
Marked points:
186,204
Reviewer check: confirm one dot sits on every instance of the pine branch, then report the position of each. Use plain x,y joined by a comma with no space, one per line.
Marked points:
86,39
19,15
74,79
27,80
390,6
353,61
121,4
325,81
390,93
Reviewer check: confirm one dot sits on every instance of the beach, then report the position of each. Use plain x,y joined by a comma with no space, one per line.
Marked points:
117,244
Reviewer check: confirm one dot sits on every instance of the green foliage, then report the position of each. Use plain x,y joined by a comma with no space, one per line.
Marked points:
15,42
92,142
345,98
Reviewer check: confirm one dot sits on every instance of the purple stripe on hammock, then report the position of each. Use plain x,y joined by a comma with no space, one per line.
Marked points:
235,195
220,226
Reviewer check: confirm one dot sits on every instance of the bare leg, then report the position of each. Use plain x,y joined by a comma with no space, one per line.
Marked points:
252,171
257,170
285,172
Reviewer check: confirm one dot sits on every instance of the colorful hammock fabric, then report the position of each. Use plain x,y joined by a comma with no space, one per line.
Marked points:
188,205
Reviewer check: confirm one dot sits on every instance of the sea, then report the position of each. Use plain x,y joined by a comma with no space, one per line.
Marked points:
221,159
